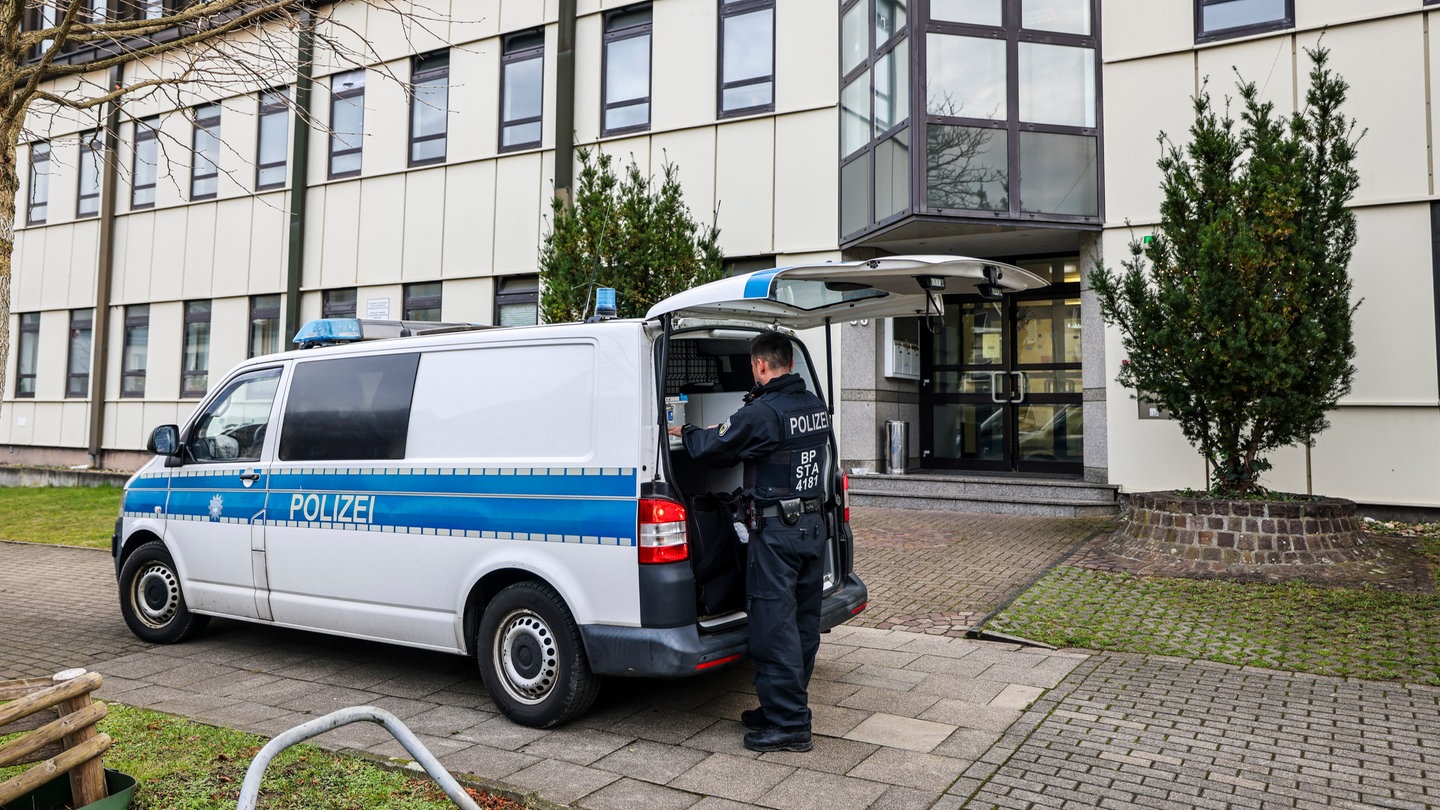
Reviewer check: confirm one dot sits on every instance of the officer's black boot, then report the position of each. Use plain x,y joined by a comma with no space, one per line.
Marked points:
779,739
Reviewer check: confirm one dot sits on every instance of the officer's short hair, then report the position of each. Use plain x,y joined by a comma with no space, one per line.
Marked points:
774,348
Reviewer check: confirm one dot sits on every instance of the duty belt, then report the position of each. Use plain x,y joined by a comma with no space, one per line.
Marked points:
777,509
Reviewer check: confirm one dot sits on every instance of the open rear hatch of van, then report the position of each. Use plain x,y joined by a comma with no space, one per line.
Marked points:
704,373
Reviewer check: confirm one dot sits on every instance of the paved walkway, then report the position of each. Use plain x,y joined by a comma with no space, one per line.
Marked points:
903,719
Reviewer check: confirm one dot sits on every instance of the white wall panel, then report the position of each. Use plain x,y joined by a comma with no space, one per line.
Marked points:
229,335
588,32
424,225
162,370
745,186
19,416
1141,27
46,424
387,297
806,54
230,269
134,266
269,246
172,170
517,15
693,153
387,120
1267,62
1132,180
239,136
1311,13
167,263
806,186
1380,455
470,205
338,259
27,274
314,245
683,64
469,299
518,202
201,265
342,36
83,264
1387,97
382,228
75,423
1395,325
151,415
50,355
474,100
55,290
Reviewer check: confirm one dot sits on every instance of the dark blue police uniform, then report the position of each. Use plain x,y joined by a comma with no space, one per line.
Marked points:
782,435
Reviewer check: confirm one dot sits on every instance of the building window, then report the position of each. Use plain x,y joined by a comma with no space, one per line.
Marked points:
37,209
92,154
422,301
747,57
135,351
77,371
144,169
517,301
337,303
264,324
522,89
195,353
270,155
27,354
626,71
347,122
1221,19
205,145
429,107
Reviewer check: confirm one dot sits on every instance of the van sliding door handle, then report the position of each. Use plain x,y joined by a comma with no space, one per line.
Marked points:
250,476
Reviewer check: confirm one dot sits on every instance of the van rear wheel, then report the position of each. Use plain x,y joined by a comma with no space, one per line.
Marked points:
151,599
532,658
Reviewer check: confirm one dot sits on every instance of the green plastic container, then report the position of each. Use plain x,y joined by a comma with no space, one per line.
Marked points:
55,794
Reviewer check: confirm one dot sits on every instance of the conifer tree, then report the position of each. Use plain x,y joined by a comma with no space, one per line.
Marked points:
1237,316
625,233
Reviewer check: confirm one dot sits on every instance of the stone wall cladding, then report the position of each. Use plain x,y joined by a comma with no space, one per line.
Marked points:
1228,537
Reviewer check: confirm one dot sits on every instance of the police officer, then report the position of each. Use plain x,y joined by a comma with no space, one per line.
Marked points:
782,435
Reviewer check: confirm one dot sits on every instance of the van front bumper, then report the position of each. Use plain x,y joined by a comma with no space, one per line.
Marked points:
677,652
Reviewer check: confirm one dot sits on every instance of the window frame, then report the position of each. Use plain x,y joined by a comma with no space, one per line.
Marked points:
79,319
37,210
1202,35
90,159
261,309
514,49
147,138
132,380
524,291
269,109
331,307
199,315
347,96
413,298
429,67
620,33
27,337
741,8
205,123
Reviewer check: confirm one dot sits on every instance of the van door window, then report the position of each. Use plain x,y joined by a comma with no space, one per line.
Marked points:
349,408
233,426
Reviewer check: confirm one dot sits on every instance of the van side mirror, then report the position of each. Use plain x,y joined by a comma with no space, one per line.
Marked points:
165,441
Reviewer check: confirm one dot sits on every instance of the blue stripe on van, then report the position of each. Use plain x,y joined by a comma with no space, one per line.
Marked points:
591,482
758,285
143,501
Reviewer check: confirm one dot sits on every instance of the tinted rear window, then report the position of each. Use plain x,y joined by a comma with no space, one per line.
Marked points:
349,408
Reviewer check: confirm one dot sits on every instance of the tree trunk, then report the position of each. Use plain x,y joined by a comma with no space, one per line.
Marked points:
9,186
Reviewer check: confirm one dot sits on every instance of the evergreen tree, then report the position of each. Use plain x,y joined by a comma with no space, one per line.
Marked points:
1241,327
625,233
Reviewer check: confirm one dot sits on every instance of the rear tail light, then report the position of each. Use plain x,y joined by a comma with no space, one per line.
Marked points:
845,495
662,532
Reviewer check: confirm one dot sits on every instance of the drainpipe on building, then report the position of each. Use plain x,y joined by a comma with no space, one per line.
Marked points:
299,174
565,102
105,266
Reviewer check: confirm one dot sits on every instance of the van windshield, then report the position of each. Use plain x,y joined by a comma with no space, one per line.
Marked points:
812,294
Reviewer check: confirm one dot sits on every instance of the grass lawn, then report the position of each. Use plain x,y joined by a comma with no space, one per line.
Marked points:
1351,632
67,516
182,765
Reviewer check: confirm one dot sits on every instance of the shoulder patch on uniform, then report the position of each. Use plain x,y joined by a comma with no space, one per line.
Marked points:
724,426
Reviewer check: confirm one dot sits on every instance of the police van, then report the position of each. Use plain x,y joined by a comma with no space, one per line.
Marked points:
509,494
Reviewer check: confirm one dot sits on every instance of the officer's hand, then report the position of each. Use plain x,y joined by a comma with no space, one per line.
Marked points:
675,431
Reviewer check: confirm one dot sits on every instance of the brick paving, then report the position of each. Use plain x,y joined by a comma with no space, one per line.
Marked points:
903,719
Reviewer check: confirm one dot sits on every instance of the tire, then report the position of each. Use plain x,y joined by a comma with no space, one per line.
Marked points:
151,599
532,658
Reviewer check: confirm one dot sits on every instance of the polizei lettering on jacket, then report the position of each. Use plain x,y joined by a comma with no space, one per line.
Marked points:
809,423
332,507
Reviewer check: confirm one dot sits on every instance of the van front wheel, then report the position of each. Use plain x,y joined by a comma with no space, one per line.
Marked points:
532,658
151,600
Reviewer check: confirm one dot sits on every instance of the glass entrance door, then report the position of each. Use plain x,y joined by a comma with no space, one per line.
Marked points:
1000,388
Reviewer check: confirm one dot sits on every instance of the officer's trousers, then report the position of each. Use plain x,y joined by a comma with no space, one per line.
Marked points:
783,581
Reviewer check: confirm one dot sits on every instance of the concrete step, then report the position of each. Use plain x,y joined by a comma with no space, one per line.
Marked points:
993,494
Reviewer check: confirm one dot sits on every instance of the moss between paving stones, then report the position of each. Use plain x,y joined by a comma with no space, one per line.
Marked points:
1362,632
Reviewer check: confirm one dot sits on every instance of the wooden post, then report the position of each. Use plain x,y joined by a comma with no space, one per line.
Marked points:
87,781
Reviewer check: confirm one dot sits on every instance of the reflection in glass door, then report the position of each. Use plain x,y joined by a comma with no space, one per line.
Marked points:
1002,389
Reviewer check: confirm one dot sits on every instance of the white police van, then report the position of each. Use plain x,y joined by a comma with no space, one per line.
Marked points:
509,494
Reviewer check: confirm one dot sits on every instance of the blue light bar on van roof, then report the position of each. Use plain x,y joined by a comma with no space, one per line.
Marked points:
327,332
